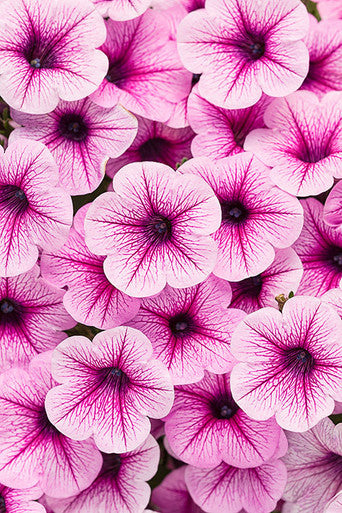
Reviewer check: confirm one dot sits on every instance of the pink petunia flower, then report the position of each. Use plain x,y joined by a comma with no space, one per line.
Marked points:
155,229
290,363
32,317
145,74
81,136
122,10
172,495
191,328
33,211
319,247
109,387
90,298
332,212
324,41
121,485
155,142
281,277
47,52
206,426
330,9
256,216
313,464
221,132
243,50
303,142
20,501
32,450
228,489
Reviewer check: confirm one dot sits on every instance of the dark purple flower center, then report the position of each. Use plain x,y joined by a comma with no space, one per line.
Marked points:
39,54
13,198
114,378
299,360
233,212
111,464
251,287
158,229
155,149
116,74
253,47
337,260
2,504
224,408
73,127
10,312
181,324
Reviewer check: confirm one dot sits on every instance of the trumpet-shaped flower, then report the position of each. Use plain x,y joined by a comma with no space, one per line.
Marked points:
243,49
155,229
47,52
81,136
206,427
303,142
109,387
191,328
145,74
256,216
290,363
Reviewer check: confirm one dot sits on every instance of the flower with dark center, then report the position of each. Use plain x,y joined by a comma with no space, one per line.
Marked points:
121,385
52,55
13,199
2,504
282,357
206,427
72,126
233,212
181,325
158,229
11,314
153,149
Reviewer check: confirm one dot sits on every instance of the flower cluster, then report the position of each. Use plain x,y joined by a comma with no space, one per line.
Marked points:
170,256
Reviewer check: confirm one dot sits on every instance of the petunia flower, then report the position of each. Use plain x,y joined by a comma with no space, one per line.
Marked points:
172,495
281,277
20,501
191,328
324,41
332,212
290,364
330,9
121,485
109,387
47,52
81,136
145,74
155,229
303,142
221,132
256,216
34,212
155,142
33,451
319,247
32,317
206,426
313,465
90,298
243,49
228,489
122,10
